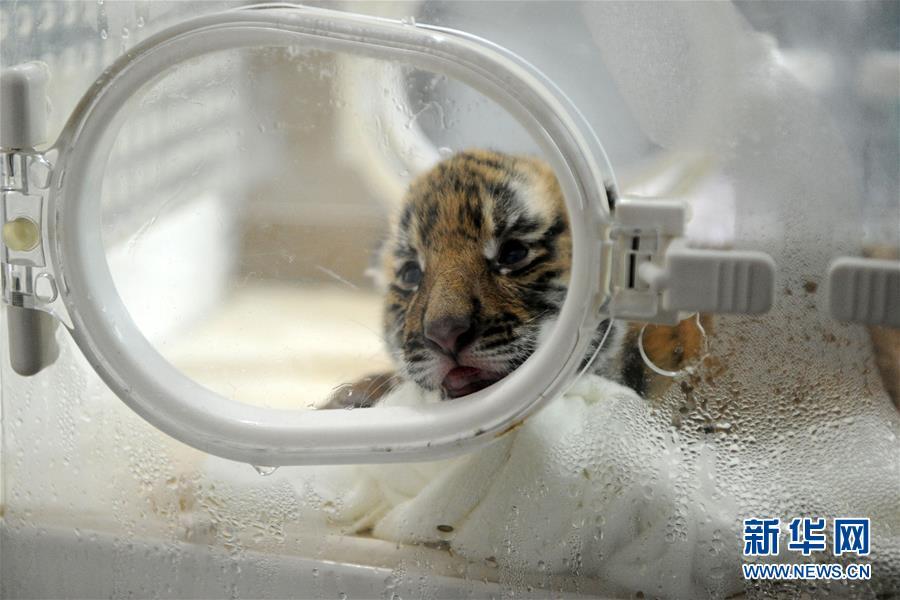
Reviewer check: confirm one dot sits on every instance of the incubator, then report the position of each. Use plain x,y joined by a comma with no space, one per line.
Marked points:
196,202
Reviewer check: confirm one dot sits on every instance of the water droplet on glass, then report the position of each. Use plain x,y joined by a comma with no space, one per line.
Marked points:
264,471
104,34
408,20
445,152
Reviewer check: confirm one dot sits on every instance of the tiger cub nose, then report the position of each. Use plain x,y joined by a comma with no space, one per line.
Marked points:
450,333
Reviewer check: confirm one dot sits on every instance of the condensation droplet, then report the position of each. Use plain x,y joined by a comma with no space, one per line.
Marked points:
264,471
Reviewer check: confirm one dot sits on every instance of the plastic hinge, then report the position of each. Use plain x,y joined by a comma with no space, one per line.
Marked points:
29,286
865,290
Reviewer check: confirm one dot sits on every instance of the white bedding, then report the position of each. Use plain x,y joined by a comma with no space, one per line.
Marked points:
598,485
590,485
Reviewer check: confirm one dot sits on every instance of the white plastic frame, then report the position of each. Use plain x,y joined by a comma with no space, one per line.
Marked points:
143,379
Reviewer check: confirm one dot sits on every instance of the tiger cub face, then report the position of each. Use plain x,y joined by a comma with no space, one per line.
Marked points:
475,268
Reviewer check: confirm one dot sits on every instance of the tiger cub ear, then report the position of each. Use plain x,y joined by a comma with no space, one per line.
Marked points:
377,269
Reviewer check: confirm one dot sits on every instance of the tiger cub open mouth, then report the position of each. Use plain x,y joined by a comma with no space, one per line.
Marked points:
462,381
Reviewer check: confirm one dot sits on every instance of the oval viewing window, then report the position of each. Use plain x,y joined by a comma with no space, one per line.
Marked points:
123,344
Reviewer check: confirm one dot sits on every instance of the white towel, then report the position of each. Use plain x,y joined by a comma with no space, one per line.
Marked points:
591,485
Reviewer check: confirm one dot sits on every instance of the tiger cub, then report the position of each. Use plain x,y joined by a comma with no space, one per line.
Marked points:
475,272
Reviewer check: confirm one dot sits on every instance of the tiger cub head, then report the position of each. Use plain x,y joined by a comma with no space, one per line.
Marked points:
475,268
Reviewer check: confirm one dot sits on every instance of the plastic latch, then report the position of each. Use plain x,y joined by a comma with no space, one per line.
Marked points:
865,290
659,278
713,281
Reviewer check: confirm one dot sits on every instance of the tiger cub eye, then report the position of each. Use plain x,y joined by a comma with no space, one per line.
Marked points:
410,274
511,253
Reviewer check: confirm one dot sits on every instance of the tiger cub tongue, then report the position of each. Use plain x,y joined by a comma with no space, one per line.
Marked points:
460,381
